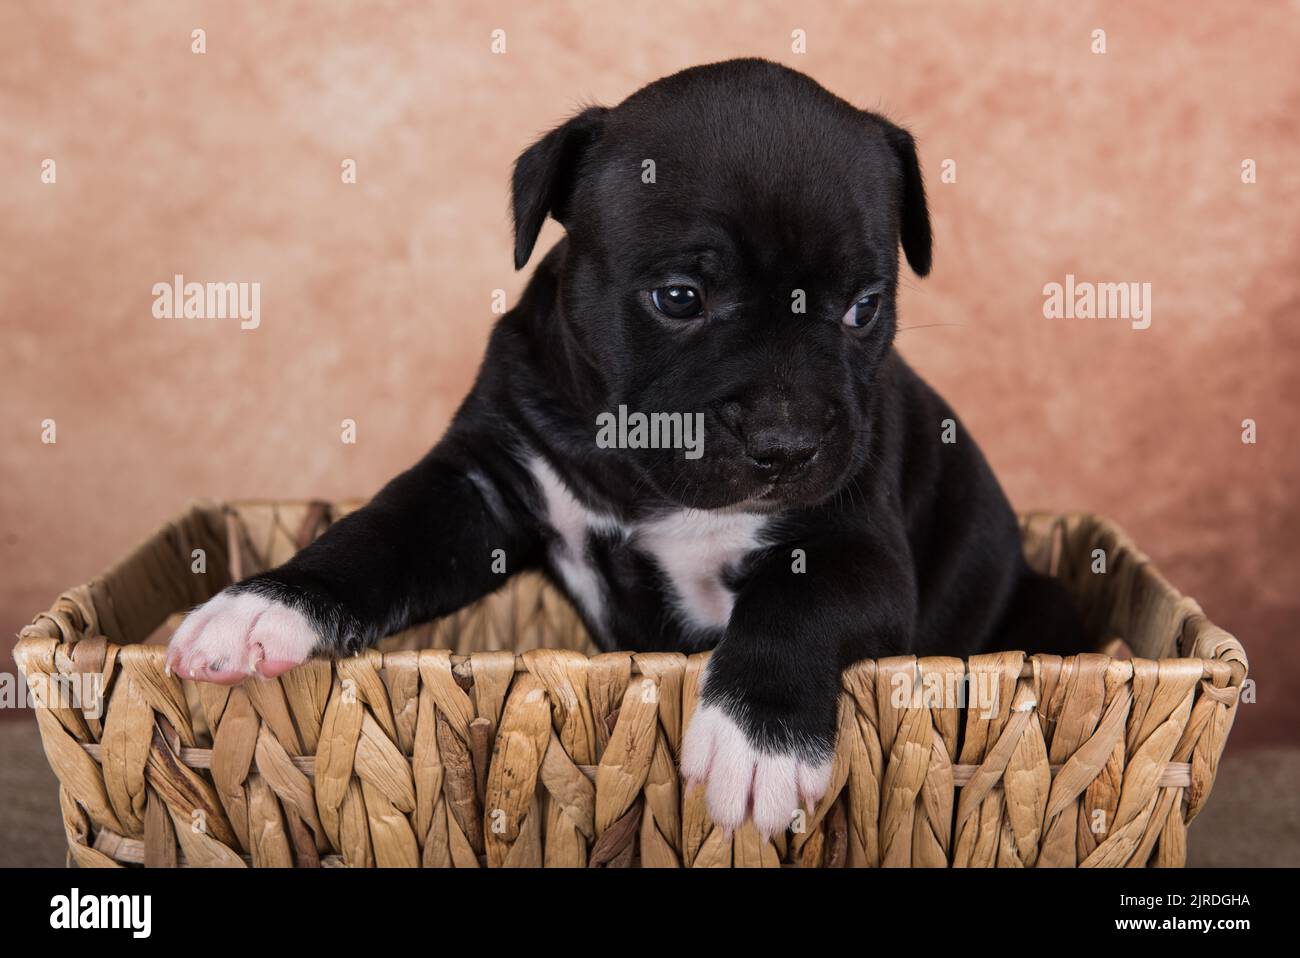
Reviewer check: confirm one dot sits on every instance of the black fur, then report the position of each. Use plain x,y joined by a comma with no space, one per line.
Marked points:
764,184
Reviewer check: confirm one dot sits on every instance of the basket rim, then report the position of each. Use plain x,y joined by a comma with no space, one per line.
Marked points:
78,612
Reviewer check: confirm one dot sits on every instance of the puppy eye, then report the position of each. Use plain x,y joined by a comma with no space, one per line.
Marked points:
678,302
863,313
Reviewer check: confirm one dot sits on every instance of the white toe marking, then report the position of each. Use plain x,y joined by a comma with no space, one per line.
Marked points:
743,781
776,792
731,771
814,780
285,634
224,633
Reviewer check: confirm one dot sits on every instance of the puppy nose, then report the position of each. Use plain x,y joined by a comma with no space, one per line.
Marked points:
781,452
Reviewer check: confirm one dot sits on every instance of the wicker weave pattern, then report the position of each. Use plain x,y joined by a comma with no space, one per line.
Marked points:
493,738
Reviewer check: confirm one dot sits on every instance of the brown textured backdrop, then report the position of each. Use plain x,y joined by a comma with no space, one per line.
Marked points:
375,296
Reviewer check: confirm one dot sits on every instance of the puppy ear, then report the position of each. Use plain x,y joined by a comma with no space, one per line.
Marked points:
914,215
544,177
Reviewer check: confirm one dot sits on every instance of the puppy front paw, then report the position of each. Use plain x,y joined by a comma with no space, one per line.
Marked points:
766,780
240,633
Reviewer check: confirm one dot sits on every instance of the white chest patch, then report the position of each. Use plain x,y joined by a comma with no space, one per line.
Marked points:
572,522
693,548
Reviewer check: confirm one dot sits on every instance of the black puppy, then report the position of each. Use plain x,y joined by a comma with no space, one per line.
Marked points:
731,261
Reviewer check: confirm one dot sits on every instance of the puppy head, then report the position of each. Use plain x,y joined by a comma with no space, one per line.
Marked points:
733,235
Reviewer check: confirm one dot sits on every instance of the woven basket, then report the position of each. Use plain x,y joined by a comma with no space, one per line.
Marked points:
495,737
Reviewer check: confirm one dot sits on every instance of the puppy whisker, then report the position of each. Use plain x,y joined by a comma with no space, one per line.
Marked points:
903,329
